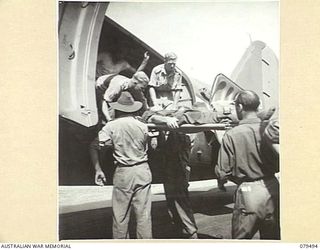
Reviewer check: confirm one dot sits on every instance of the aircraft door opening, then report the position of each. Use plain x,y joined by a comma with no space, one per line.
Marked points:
79,33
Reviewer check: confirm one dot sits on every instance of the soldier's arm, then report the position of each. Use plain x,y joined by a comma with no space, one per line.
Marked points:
226,160
153,96
144,61
100,177
105,110
271,135
102,140
171,122
104,136
152,84
152,117
114,89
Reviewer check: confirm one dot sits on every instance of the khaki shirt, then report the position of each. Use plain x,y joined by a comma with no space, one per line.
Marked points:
128,137
165,84
240,157
112,92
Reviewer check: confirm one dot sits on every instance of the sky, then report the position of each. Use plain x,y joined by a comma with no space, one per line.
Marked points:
208,37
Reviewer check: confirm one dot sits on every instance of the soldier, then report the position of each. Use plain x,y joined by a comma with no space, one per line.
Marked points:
165,89
165,83
132,178
108,90
243,160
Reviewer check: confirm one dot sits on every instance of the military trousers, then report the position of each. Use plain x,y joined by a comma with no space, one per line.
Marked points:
257,209
177,154
132,190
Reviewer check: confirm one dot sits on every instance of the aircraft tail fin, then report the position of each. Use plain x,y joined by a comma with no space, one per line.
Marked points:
257,70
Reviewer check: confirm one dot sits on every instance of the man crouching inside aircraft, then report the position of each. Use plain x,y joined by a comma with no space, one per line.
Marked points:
132,178
109,88
243,160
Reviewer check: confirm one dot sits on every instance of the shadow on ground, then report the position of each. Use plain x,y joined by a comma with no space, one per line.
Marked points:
210,208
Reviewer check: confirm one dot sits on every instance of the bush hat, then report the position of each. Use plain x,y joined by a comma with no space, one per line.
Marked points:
126,103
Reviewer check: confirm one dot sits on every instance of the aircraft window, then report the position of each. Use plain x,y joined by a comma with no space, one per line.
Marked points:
220,89
221,85
230,91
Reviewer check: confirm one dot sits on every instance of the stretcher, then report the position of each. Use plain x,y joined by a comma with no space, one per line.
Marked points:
190,128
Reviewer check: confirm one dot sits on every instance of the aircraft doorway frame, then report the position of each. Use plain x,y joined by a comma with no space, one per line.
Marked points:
79,33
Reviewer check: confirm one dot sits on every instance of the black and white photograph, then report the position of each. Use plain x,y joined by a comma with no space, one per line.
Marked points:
168,121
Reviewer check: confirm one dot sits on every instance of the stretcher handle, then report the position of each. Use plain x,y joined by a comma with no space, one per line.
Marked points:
190,128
